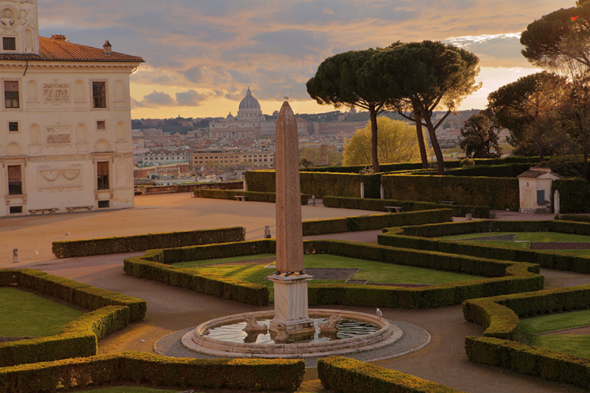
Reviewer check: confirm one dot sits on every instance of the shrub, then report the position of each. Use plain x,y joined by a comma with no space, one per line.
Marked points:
79,338
122,244
417,237
321,183
344,375
509,278
500,316
377,221
574,195
154,266
379,205
497,193
159,371
252,196
466,162
573,217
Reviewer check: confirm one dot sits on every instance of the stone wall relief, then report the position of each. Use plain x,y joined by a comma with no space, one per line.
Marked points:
60,178
58,136
56,93
13,20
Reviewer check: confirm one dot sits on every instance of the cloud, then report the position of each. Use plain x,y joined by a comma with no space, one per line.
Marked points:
199,50
191,98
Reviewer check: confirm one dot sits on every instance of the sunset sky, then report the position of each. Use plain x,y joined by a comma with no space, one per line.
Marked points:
201,55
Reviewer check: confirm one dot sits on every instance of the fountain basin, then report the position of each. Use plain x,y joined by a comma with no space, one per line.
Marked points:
198,340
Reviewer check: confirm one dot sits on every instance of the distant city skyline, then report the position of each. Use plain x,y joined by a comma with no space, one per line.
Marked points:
201,56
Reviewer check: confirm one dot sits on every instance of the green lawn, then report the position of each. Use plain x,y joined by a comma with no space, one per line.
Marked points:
523,239
224,260
528,236
578,345
375,272
23,314
549,323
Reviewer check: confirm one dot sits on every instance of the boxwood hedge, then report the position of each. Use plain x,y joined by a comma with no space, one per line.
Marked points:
252,196
134,368
122,244
79,338
344,375
505,277
379,205
501,345
419,237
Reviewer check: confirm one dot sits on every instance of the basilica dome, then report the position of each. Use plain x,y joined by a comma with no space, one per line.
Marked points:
249,102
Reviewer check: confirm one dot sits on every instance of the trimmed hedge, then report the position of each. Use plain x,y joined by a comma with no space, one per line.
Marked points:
376,221
320,183
417,237
154,266
345,375
379,205
509,277
573,217
574,195
408,166
495,192
122,244
159,371
504,170
80,337
501,348
253,196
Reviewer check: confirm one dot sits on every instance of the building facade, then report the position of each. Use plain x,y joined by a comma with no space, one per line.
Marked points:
65,121
245,125
229,158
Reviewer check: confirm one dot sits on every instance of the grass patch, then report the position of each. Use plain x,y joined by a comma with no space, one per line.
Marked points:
534,237
375,272
549,323
577,345
24,314
243,258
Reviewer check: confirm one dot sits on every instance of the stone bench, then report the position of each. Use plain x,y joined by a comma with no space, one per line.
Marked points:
43,211
447,202
396,209
241,197
73,208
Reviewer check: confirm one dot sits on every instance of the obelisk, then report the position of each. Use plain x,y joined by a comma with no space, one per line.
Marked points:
290,280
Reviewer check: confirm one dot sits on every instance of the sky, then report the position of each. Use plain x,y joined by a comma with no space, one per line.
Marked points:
202,55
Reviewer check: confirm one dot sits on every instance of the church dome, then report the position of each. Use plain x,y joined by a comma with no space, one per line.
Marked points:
249,102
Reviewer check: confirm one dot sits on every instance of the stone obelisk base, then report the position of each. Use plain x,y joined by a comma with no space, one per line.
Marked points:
291,311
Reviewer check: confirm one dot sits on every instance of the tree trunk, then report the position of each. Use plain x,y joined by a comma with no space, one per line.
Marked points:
420,136
374,138
440,163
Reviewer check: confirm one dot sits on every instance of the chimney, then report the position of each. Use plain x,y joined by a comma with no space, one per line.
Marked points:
107,48
58,37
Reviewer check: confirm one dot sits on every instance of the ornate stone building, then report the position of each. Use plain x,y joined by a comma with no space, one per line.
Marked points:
245,125
65,121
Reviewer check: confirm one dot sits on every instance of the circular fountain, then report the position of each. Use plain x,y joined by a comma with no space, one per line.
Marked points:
354,332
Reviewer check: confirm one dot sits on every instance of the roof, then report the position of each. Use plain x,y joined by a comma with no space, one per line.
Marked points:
249,102
60,50
532,174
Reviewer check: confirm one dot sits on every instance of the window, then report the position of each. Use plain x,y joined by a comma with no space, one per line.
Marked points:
9,43
15,185
103,204
99,95
101,125
11,99
102,169
13,126
16,209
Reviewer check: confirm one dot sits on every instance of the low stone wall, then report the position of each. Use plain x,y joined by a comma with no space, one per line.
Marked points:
234,185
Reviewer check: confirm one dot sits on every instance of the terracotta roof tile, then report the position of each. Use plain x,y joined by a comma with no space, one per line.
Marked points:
59,50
